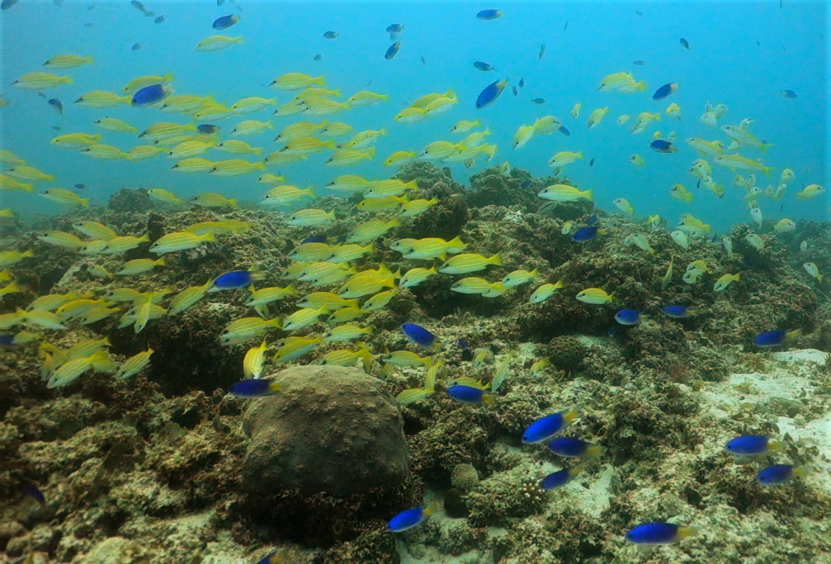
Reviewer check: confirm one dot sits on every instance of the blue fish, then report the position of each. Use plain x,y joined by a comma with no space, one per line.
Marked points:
150,95
574,448
526,184
638,63
136,47
418,335
34,493
395,28
665,91
628,317
330,34
593,219
560,479
80,186
160,19
479,65
410,518
233,280
591,162
318,57
585,234
749,445
469,394
315,239
770,338
611,332
463,344
680,312
564,130
658,533
207,128
522,82
392,50
491,92
779,474
225,21
684,43
490,14
55,103
6,340
254,388
788,94
546,427
661,146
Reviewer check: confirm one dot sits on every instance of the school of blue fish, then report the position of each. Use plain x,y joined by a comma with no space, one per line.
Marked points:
323,277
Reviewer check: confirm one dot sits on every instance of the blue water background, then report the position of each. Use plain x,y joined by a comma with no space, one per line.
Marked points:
724,65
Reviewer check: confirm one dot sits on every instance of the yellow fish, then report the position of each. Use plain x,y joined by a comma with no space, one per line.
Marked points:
102,99
595,296
65,197
67,61
40,81
211,200
235,167
597,116
296,81
217,42
469,262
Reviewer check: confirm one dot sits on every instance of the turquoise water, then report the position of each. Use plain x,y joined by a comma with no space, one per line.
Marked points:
724,65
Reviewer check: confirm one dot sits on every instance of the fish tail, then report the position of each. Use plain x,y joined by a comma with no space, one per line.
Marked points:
765,146
27,187
496,259
593,451
311,192
767,169
738,277
684,532
259,165
85,202
239,40
320,80
588,194
688,197
800,471
258,151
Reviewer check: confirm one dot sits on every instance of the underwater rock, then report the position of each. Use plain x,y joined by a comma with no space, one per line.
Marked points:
566,352
130,200
491,187
115,550
464,477
454,504
335,429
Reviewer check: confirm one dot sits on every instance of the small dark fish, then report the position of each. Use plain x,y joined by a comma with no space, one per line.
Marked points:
491,92
392,50
418,335
89,24
6,341
423,61
593,220
208,128
770,339
225,21
538,100
482,66
565,27
58,3
56,127
463,344
780,4
564,130
526,184
639,13
220,2
542,52
611,332
34,493
488,15
788,94
42,95
758,44
395,28
591,162
136,47
665,91
516,92
160,19
685,43
315,239
639,63
138,6
522,82
150,95
318,57
330,34
80,186
661,146
585,234
55,103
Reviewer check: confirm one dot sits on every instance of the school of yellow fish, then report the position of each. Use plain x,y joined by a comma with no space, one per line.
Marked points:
327,270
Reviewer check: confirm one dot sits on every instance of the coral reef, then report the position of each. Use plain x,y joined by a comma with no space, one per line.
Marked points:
167,467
